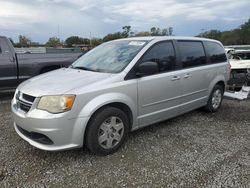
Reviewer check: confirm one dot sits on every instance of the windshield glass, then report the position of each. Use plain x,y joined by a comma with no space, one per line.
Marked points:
111,57
241,55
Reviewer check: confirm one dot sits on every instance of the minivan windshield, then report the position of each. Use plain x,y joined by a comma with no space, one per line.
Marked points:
241,55
110,57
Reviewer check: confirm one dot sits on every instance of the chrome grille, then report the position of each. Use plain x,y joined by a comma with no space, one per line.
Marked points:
24,101
28,98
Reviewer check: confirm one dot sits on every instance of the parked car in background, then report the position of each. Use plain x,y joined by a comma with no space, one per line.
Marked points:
117,87
15,68
240,68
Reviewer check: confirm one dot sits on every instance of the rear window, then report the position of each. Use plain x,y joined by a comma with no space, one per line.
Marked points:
192,53
216,53
241,55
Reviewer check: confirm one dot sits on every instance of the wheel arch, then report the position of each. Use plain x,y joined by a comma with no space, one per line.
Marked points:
220,80
118,100
222,84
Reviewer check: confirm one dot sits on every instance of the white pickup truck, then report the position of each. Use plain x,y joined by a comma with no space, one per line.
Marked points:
240,68
239,83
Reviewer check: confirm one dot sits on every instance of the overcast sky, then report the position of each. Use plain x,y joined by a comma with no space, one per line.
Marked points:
41,19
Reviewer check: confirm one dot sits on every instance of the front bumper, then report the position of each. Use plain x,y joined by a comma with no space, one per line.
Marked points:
239,78
63,132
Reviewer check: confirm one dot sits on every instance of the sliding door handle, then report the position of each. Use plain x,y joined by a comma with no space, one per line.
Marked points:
175,78
188,75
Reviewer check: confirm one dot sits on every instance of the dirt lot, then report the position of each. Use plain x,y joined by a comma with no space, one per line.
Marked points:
194,150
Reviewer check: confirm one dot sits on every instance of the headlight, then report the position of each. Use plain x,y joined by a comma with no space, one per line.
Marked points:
56,104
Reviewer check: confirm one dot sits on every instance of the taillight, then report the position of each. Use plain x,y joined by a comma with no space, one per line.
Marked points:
229,71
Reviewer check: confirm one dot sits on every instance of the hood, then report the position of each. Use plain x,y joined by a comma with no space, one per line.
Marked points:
60,81
240,64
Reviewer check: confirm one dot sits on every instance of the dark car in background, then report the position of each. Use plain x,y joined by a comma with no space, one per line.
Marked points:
15,68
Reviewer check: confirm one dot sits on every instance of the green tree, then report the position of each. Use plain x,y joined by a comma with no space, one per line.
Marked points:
112,36
126,31
23,41
85,41
96,41
153,31
156,31
164,32
53,42
124,34
238,36
143,33
35,44
76,40
244,33
212,34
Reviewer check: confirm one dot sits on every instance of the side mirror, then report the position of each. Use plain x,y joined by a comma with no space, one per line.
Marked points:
147,68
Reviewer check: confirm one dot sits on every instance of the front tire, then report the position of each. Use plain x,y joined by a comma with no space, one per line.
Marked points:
107,131
215,99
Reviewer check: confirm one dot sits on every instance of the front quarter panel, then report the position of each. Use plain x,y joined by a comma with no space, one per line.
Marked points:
96,103
87,103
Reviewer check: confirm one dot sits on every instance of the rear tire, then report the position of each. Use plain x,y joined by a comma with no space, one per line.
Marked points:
107,131
215,99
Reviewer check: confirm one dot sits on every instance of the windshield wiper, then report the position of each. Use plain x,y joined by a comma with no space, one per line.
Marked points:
84,68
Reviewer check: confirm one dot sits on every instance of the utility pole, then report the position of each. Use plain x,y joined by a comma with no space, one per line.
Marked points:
58,31
90,39
202,32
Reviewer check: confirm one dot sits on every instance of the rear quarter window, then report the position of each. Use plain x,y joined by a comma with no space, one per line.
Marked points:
192,53
215,52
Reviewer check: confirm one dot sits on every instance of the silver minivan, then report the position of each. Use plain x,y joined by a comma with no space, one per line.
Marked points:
117,87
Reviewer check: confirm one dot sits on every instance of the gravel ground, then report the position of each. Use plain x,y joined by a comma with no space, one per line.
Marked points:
194,150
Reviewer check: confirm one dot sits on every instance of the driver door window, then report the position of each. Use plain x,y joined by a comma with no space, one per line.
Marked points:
163,54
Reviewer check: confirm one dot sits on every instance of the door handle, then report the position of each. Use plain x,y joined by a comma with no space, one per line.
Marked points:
188,75
176,78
